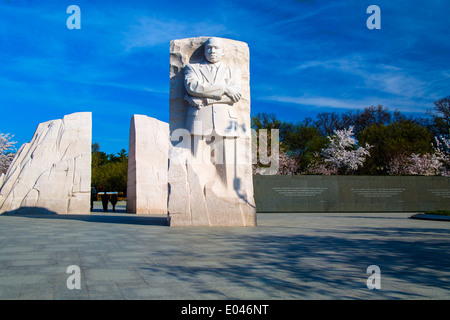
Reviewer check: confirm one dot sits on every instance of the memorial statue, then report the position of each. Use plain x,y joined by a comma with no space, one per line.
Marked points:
212,88
210,169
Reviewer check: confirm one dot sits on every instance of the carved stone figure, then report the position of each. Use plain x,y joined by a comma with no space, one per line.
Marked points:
210,174
212,89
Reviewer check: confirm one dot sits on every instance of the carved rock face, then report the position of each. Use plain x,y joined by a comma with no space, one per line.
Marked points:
52,173
147,166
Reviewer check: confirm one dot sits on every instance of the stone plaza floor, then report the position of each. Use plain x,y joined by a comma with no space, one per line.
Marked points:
286,257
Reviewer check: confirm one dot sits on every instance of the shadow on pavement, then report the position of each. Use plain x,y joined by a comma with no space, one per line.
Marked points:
119,217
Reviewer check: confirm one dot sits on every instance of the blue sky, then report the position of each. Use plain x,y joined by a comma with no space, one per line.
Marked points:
306,57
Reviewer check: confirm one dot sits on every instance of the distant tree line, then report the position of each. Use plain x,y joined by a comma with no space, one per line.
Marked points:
109,171
373,141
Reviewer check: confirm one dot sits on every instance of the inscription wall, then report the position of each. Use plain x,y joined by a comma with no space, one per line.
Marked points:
311,193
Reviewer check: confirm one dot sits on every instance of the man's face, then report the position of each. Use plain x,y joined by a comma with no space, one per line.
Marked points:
213,50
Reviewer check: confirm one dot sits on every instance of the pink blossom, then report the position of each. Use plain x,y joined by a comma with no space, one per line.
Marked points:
7,151
342,155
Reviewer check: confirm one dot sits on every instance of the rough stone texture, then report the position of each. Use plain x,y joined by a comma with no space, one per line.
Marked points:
52,173
147,187
195,194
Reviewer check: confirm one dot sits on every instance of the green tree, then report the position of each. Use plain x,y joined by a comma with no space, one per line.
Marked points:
298,141
302,141
392,141
109,171
265,121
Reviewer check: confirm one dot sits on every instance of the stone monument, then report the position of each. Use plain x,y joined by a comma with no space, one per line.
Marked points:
147,166
52,173
210,162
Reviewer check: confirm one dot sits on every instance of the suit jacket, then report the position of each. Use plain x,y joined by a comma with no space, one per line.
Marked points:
218,112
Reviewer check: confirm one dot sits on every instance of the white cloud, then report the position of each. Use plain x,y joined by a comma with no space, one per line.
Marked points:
403,105
386,78
311,101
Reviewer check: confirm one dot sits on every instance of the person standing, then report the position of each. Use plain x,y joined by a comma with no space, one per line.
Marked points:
114,201
105,200
93,197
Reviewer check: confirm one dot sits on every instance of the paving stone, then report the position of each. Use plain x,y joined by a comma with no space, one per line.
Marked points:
288,256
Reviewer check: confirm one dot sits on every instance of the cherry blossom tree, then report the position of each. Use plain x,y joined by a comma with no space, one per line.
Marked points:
7,151
320,167
428,164
288,165
443,145
342,156
399,164
425,165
